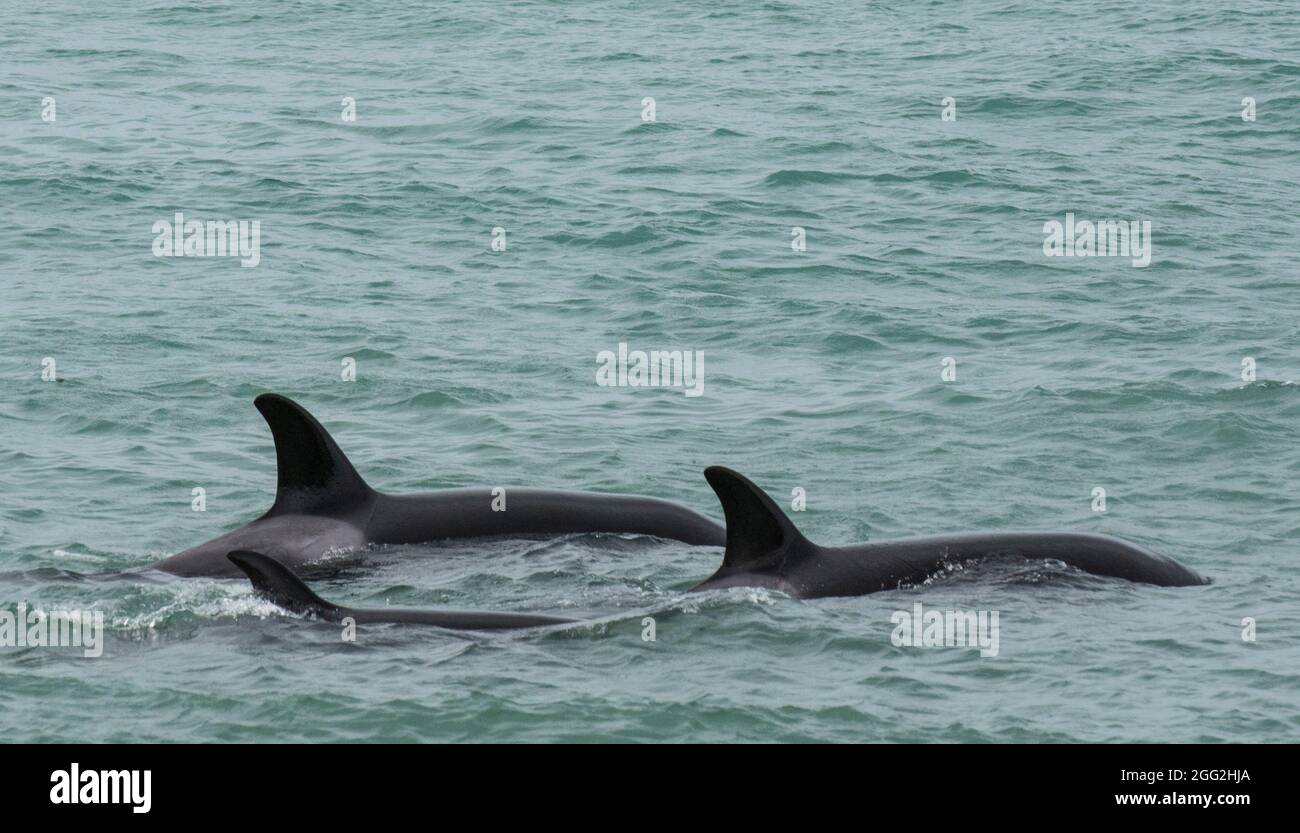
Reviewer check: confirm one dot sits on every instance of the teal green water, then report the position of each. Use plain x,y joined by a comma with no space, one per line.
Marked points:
477,367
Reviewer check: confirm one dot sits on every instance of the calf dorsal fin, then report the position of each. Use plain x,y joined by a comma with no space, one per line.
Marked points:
277,583
758,533
314,476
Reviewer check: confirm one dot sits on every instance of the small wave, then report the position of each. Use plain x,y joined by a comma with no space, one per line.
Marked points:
84,557
788,177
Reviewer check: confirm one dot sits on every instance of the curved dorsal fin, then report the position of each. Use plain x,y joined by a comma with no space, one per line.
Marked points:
314,476
278,583
758,532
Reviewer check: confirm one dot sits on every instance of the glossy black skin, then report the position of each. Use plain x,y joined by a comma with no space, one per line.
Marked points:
809,571
323,507
764,549
275,582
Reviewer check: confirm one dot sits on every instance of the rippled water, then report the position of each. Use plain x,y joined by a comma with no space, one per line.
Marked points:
476,367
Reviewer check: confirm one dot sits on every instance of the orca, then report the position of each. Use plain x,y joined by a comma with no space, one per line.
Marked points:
322,507
764,549
278,584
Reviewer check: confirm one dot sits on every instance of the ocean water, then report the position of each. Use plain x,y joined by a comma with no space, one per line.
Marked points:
924,241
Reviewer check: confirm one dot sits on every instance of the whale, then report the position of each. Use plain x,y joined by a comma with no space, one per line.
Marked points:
765,549
322,507
277,583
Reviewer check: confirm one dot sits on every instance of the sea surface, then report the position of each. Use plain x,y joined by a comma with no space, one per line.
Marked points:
1173,387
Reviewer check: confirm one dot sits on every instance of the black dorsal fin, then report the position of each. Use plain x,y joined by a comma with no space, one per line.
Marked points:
277,583
314,475
758,532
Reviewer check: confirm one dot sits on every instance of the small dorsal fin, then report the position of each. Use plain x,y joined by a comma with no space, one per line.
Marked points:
758,532
314,476
277,583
